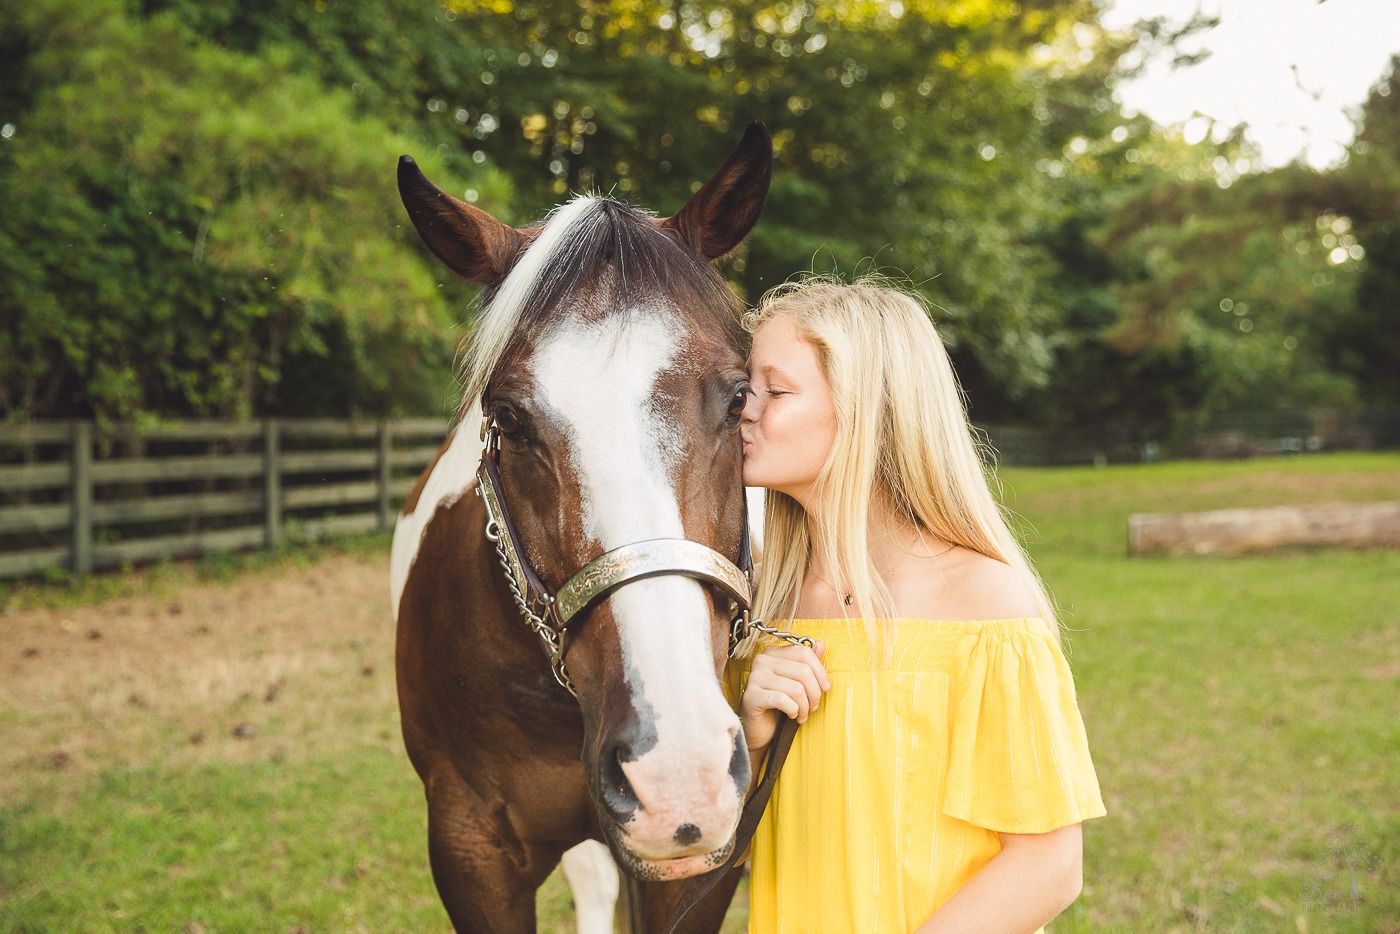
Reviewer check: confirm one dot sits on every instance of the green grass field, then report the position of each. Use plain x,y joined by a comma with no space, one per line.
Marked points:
1240,711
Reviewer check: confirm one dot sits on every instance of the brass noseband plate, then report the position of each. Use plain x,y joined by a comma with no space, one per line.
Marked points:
650,558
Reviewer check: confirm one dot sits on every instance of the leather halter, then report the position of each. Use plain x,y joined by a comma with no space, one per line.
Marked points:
551,616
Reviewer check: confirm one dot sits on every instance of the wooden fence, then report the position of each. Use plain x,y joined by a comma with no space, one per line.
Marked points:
78,497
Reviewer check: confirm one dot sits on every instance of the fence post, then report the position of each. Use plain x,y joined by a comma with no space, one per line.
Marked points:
80,476
385,444
272,484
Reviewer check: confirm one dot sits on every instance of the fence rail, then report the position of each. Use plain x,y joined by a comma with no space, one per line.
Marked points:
78,497
1227,435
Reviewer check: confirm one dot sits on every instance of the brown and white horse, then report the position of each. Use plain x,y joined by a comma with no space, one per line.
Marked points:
609,360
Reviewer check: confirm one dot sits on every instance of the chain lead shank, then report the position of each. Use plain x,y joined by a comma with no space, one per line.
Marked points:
791,638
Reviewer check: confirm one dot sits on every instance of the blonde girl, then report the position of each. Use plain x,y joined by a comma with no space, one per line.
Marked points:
941,774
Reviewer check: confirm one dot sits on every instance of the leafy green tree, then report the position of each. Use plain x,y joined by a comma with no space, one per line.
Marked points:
201,216
906,138
1102,162
907,135
1364,339
194,231
1230,277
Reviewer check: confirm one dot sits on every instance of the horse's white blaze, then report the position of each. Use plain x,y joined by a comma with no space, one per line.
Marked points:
592,877
453,474
600,379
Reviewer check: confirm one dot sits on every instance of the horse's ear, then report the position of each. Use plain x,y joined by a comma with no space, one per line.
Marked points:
718,217
471,242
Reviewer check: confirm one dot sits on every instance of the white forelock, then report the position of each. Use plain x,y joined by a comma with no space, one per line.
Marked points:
500,318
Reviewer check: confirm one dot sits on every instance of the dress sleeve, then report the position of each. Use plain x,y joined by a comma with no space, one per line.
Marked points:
1019,760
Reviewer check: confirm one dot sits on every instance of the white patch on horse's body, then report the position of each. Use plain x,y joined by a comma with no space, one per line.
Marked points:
453,475
592,876
600,379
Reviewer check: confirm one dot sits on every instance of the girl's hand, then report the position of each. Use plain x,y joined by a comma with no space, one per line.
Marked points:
784,679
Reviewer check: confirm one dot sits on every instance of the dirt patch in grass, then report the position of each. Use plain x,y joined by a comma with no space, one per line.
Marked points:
273,663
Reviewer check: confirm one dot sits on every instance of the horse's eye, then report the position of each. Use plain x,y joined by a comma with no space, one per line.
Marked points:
736,403
507,420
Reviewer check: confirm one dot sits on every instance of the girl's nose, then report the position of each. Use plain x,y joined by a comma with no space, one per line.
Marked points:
750,413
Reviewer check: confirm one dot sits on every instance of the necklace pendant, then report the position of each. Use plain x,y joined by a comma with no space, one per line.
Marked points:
850,598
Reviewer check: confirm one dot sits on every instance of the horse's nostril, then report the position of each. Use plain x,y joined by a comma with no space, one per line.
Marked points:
686,834
619,798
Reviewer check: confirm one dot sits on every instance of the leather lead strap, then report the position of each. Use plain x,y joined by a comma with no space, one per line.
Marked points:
746,542
700,886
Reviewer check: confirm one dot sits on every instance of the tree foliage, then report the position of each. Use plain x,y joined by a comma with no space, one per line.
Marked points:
201,216
194,231
1282,284
907,135
1363,341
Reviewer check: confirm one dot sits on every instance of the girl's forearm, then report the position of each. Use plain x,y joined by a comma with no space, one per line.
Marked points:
1020,889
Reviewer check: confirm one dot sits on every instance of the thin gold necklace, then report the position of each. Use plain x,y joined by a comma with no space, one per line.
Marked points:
847,597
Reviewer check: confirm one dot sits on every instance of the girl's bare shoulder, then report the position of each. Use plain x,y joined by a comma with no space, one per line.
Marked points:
965,585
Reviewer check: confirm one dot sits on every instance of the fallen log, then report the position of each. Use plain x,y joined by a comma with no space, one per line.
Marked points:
1241,531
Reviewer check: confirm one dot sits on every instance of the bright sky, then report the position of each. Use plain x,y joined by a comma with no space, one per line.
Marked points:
1291,69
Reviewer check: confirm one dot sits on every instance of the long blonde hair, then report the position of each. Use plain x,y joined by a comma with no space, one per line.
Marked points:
902,434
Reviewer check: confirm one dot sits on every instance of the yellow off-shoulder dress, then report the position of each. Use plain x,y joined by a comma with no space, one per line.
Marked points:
896,787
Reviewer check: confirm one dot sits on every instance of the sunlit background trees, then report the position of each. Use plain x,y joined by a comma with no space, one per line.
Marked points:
199,214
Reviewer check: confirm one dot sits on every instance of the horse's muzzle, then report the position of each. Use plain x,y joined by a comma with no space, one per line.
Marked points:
673,811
